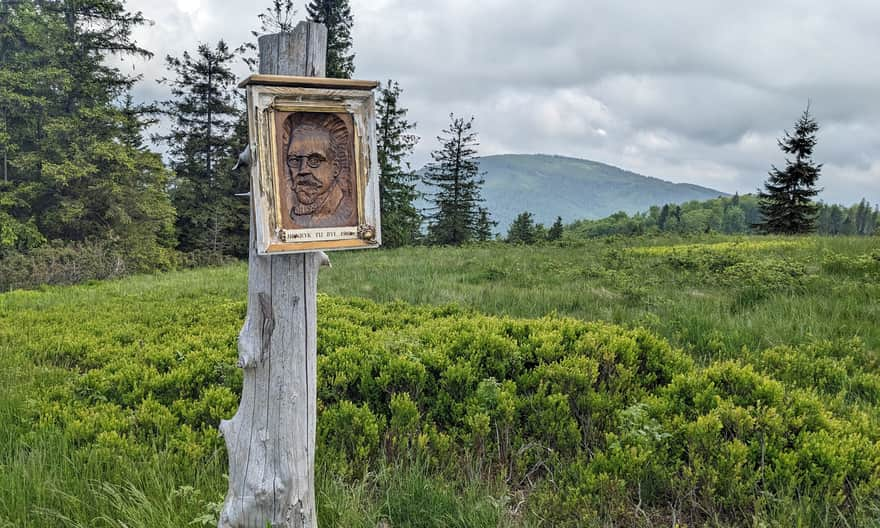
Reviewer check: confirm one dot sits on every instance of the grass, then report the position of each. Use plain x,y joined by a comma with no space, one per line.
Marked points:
715,297
622,283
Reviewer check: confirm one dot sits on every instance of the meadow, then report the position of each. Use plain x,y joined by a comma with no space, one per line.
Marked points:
715,381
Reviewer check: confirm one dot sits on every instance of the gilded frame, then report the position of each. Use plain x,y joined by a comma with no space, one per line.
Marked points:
269,95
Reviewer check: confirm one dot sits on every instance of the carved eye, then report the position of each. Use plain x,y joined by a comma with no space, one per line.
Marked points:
313,160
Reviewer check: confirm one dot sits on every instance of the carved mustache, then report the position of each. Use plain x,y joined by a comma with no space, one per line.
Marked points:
306,180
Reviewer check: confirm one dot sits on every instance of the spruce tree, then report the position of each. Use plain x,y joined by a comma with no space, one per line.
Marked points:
455,179
522,230
787,204
663,218
835,220
336,15
401,220
279,18
485,225
555,231
202,145
676,213
863,213
75,166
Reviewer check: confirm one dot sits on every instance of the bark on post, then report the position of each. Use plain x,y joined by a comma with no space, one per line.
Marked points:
271,439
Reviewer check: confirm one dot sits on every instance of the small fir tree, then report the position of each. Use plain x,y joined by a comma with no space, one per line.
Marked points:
863,213
555,231
279,18
336,15
401,220
663,218
202,145
454,176
787,204
835,220
485,225
522,230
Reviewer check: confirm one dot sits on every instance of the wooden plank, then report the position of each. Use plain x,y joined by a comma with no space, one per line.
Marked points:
308,82
329,245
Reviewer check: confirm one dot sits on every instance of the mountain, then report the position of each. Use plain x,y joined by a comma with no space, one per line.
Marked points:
550,186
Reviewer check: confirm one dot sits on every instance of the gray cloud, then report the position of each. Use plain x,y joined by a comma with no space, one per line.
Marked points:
695,90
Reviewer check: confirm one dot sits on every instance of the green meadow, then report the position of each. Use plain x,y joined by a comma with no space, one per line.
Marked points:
711,296
714,381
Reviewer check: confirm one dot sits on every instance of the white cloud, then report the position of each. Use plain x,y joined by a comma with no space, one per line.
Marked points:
694,90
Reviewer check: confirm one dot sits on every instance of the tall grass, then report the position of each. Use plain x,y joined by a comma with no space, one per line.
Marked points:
613,281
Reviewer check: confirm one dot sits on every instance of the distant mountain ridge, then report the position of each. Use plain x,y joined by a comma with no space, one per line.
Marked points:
549,186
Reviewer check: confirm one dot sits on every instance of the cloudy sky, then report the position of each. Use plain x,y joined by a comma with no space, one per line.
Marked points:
689,91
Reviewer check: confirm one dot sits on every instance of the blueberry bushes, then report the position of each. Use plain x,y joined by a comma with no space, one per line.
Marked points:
585,420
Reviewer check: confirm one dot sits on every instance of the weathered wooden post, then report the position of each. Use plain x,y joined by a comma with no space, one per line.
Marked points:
314,186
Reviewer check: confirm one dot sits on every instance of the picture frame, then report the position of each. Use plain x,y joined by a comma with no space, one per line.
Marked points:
314,169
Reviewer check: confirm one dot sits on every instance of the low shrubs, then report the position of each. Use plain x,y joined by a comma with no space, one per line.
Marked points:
588,420
61,263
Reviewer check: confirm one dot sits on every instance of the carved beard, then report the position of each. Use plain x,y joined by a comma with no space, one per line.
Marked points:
310,209
302,209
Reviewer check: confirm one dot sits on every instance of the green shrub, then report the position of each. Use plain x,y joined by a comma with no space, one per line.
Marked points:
349,436
865,265
593,422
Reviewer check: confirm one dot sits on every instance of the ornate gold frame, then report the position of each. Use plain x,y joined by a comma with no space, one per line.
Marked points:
267,95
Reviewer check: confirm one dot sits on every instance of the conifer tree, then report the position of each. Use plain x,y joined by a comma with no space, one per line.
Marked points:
279,18
202,145
401,220
835,220
663,218
787,204
676,213
485,225
75,167
522,230
555,231
863,214
336,15
455,179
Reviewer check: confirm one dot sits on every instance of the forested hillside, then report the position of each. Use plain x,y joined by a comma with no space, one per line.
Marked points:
727,215
549,186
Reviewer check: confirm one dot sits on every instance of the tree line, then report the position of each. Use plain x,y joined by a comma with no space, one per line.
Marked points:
80,174
78,167
785,206
732,215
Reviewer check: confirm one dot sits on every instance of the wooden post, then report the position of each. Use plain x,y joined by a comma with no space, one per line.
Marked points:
271,439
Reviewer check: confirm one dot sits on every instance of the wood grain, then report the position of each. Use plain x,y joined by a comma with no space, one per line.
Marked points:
309,82
271,439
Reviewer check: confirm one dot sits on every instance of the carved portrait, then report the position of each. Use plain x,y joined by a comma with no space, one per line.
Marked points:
315,175
316,180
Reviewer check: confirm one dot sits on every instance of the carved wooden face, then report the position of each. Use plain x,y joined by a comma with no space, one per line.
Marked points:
312,169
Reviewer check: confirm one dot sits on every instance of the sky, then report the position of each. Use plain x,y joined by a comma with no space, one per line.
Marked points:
693,91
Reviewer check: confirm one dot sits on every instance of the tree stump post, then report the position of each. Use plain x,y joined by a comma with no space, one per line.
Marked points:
271,439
